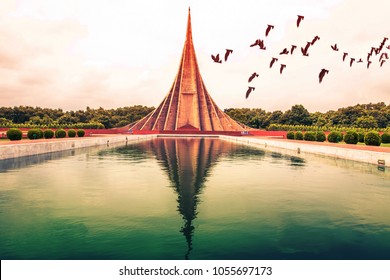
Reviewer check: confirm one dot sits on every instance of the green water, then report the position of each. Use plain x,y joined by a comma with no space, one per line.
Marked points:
192,199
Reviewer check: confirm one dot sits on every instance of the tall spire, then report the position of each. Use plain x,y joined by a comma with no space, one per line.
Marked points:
188,105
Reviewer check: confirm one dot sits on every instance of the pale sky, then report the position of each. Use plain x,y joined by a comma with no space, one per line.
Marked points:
72,54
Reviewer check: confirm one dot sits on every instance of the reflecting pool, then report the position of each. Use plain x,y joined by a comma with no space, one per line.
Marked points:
192,198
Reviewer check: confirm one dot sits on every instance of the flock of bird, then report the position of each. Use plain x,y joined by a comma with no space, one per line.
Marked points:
377,51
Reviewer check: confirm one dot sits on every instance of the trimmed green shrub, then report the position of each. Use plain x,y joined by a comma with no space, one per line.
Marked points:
81,133
14,134
335,137
60,133
298,135
361,137
372,138
385,137
309,136
34,133
71,133
48,134
290,135
351,137
320,136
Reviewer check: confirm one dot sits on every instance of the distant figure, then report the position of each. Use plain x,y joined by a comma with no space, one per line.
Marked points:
335,48
268,29
254,75
228,52
250,89
216,58
322,74
282,66
272,62
383,61
300,18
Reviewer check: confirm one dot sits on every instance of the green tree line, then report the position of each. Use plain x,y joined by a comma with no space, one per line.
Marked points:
372,115
361,115
110,118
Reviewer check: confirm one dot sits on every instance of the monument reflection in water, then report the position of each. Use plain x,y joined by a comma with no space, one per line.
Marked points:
187,162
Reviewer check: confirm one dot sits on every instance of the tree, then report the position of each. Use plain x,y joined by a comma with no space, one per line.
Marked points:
366,122
296,115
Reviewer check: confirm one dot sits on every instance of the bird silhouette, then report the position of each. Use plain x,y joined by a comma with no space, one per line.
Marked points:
383,61
388,47
228,52
359,61
344,56
293,47
322,74
335,48
306,49
351,62
272,62
216,58
250,89
300,18
268,29
384,55
254,75
285,51
259,43
316,38
282,66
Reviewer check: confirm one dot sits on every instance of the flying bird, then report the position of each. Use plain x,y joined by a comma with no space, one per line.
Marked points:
351,62
272,62
250,89
383,61
300,18
228,52
344,56
322,74
360,61
316,38
254,75
282,66
216,58
268,29
306,49
388,47
335,48
384,55
285,51
259,43
293,47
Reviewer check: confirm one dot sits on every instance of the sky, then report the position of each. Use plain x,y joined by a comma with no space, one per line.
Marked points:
71,54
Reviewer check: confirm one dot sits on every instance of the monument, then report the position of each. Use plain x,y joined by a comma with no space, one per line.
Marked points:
188,106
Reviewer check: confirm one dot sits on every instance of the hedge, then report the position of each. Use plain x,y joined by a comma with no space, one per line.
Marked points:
80,133
60,133
34,133
335,137
298,135
351,137
309,136
48,134
14,134
320,136
372,138
72,133
385,138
